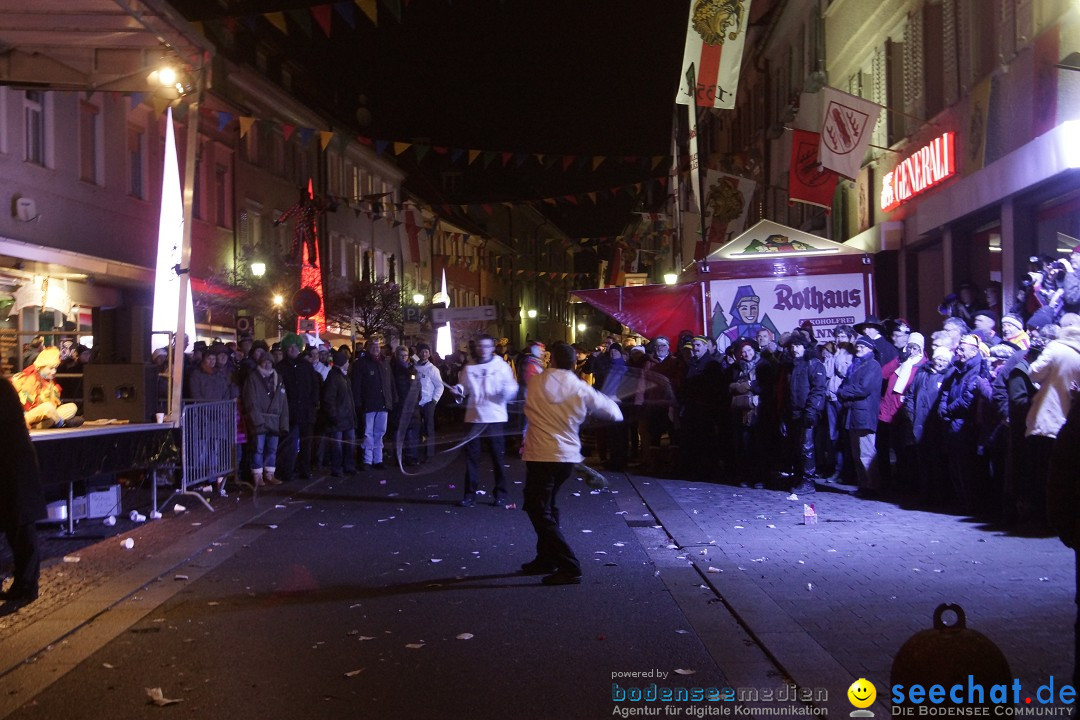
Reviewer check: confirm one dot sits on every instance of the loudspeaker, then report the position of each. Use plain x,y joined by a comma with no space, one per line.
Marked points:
122,334
120,392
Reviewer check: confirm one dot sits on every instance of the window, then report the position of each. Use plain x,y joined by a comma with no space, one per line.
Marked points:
34,117
333,172
250,146
136,142
221,195
89,143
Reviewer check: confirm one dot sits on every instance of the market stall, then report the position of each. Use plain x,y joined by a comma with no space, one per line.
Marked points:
771,277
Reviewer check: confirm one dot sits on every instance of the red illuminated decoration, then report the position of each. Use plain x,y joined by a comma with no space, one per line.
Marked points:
310,273
931,165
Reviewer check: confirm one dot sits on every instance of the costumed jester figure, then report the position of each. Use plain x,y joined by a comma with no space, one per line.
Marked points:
745,323
39,393
305,234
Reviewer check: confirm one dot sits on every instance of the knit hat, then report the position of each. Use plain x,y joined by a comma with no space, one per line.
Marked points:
917,338
637,348
1012,320
702,338
48,357
864,341
970,339
943,352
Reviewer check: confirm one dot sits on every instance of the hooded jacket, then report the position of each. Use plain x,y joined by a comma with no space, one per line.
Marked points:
556,403
1055,369
963,391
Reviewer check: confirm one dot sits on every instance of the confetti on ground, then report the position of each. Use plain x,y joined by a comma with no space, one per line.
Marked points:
354,673
465,636
415,646
108,666
714,570
436,560
180,577
586,531
72,558
158,697
365,637
619,544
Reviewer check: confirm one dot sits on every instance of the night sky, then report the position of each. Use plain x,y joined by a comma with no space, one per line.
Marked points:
558,77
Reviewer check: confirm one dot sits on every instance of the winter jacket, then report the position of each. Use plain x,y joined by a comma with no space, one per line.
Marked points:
372,384
487,388
204,385
1062,488
431,386
405,379
860,394
338,409
302,388
921,399
21,497
806,389
265,403
963,390
556,403
1054,370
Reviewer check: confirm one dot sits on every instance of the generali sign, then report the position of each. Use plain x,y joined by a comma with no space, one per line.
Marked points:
931,165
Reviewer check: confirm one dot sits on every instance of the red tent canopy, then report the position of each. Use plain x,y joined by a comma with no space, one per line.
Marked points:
652,310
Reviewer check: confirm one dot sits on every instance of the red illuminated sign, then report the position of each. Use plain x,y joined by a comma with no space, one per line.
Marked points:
931,165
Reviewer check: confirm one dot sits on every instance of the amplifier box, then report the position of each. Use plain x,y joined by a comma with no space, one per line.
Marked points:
120,392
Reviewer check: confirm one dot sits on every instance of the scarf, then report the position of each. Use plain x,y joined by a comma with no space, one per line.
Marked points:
904,371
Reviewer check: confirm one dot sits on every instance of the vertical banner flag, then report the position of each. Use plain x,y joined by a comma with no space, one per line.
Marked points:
978,115
1047,56
715,34
846,127
727,203
808,181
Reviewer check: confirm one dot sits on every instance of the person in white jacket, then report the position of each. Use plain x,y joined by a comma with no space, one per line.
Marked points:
556,403
431,389
486,385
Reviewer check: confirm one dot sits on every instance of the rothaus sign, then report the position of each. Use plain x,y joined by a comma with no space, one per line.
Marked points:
930,165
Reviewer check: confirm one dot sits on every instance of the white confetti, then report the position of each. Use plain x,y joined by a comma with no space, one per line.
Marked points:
365,637
586,531
354,673
272,527
465,636
714,569
436,560
158,697
72,558
619,544
809,586
739,527
415,646
108,666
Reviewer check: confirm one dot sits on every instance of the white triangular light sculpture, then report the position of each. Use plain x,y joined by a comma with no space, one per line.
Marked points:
444,343
169,249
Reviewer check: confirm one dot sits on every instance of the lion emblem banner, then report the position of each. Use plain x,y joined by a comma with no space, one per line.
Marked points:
715,34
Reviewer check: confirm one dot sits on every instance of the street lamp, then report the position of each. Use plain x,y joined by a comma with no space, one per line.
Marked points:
258,268
671,278
278,301
418,298
582,327
531,313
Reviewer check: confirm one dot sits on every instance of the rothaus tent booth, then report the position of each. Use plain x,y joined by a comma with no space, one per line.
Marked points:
771,277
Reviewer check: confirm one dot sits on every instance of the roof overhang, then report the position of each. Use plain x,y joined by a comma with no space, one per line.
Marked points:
91,45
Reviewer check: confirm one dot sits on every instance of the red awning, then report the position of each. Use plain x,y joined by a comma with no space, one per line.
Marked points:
651,310
204,288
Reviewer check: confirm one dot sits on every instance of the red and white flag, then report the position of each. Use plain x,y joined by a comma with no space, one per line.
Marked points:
846,126
808,182
712,56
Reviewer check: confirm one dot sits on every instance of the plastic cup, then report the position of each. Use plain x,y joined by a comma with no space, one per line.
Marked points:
127,543
159,417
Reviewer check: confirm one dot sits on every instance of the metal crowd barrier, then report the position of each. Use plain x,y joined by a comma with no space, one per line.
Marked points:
208,434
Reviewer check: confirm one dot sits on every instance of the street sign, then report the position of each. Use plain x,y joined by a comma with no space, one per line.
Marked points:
463,314
412,328
245,325
411,314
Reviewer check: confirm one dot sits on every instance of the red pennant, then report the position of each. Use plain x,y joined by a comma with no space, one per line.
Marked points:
567,161
287,130
321,13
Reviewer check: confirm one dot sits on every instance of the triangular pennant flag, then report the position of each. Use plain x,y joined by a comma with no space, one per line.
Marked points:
539,158
394,6
277,19
473,154
421,151
400,147
592,196
489,155
596,161
347,11
456,154
245,125
519,159
304,135
301,18
572,199
381,146
506,158
223,119
321,13
325,136
371,9
287,130
199,28
566,161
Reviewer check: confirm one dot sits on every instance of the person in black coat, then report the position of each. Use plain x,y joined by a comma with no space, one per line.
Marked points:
339,414
805,404
302,385
373,396
860,398
1063,498
404,421
21,499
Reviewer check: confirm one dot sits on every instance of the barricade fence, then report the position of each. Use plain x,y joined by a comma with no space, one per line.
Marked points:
208,432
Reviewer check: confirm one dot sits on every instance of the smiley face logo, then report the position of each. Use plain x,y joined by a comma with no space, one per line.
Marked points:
862,693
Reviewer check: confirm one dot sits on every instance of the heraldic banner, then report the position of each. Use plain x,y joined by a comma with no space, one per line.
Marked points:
808,182
846,127
727,203
715,36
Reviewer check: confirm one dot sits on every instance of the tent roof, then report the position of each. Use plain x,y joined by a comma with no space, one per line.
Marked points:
651,310
768,239
93,45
